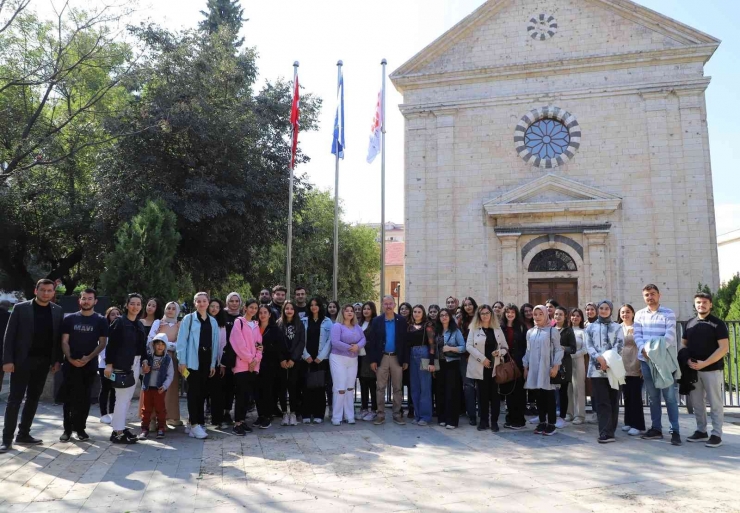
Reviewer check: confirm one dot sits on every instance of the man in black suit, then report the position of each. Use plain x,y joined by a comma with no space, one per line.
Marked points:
4,317
31,348
387,352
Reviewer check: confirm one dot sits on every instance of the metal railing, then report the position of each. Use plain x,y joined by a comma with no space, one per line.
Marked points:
732,366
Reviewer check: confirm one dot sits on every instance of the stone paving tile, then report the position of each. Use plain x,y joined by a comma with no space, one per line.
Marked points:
368,468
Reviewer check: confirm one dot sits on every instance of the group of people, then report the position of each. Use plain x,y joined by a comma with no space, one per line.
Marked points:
293,358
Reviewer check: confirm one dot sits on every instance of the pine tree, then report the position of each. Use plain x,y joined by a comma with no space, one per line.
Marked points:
224,13
143,257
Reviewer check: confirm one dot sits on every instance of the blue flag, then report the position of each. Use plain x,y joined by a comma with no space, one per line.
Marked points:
337,145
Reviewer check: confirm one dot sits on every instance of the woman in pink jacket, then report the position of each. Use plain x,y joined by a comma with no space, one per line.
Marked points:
246,340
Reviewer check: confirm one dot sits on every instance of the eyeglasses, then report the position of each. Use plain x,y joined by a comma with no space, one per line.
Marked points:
485,313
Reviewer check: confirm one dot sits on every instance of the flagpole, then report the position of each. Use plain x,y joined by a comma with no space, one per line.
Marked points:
290,207
382,184
336,197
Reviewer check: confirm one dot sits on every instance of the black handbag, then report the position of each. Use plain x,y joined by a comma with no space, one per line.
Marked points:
122,379
315,379
228,358
560,379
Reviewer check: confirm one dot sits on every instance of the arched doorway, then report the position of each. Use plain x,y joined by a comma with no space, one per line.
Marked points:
564,289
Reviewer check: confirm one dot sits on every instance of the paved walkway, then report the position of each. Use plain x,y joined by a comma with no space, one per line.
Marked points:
369,468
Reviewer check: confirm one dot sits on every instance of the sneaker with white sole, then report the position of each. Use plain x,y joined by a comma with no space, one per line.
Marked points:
568,417
534,420
286,420
198,432
560,423
336,423
634,432
292,421
318,421
626,428
106,419
450,426
578,421
370,416
307,420
422,423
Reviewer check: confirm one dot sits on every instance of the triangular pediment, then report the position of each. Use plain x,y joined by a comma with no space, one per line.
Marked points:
503,33
551,194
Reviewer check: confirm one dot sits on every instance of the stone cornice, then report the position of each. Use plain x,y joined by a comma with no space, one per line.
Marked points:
697,53
516,231
694,86
554,207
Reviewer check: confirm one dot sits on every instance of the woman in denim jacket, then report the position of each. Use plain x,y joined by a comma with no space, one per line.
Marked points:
315,359
450,345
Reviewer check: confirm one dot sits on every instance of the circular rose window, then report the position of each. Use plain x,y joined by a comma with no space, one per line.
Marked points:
547,137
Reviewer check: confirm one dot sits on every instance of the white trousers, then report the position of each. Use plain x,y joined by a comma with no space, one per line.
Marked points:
123,399
577,393
344,376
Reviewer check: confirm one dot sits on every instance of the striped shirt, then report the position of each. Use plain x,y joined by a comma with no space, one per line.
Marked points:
649,324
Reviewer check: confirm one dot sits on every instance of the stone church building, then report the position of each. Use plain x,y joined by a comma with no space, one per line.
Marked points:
559,148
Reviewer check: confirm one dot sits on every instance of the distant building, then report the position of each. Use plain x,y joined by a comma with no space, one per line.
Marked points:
728,249
394,232
394,271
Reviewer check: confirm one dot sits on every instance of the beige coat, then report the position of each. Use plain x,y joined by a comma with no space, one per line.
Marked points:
476,347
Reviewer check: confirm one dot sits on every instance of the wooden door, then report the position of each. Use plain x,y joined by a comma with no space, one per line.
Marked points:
564,291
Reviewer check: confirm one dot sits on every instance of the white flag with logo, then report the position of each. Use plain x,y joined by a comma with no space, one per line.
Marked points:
374,147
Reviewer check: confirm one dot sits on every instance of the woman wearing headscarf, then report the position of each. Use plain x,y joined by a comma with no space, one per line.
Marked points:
602,335
170,326
541,363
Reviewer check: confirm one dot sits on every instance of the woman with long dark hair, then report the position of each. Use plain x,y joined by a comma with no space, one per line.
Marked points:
154,310
469,307
274,351
420,343
568,343
404,310
332,310
577,404
107,396
215,389
634,415
246,340
450,345
516,338
525,312
295,338
368,382
316,359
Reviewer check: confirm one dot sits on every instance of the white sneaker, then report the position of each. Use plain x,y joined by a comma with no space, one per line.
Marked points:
318,421
370,416
634,432
106,419
286,420
626,428
190,430
335,423
351,422
199,432
568,417
449,426
422,423
560,423
187,429
534,420
307,421
363,413
292,420
578,421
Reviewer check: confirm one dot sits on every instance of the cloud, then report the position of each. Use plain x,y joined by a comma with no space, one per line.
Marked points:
728,217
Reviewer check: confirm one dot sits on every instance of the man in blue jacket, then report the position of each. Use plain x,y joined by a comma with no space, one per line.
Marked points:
387,352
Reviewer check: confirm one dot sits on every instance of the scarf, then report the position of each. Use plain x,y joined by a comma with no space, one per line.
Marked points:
171,321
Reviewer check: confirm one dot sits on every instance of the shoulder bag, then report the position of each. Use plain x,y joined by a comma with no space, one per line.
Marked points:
559,379
122,379
228,358
507,371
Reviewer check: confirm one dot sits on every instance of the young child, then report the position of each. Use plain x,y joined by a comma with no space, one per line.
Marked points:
154,386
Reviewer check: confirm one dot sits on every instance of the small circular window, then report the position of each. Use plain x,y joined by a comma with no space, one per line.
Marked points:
547,137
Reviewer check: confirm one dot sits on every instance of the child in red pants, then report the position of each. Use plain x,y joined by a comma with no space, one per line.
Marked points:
154,386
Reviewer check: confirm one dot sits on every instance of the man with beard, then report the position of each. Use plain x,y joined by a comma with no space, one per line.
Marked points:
301,307
278,299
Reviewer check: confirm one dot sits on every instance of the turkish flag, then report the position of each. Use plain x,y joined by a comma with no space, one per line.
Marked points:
294,117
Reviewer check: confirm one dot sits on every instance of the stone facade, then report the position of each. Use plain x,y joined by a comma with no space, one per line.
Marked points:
629,200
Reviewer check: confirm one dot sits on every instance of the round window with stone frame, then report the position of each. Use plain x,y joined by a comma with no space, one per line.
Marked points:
542,26
547,137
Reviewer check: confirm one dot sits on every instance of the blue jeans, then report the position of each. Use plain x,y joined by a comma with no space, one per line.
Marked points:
421,384
669,395
468,390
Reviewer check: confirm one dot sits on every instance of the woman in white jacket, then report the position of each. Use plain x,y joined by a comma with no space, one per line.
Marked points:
577,403
486,342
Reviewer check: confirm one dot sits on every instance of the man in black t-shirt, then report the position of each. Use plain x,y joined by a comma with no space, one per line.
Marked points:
707,341
301,308
84,335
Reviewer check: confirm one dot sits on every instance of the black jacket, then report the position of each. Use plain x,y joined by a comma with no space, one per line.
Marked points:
517,347
126,340
19,333
376,343
688,375
295,349
274,348
568,342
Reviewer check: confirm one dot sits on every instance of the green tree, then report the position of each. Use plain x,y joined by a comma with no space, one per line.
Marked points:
224,13
143,259
313,254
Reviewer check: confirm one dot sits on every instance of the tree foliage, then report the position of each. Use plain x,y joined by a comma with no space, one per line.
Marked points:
224,14
313,254
726,301
144,256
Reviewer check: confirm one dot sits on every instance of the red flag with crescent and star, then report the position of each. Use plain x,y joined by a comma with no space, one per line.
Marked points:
294,121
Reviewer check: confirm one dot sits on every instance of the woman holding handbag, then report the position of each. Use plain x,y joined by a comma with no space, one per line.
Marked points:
541,364
485,343
125,352
420,339
316,361
246,341
450,345
516,338
568,343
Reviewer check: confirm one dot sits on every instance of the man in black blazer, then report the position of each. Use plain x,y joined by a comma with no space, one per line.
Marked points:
31,348
388,357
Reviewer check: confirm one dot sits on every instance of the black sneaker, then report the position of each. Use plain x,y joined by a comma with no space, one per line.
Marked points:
227,419
473,422
160,434
714,442
65,436
5,447
482,427
82,436
494,427
652,434
603,439
698,436
121,438
540,428
246,427
27,440
265,423
129,434
550,430
676,439
238,430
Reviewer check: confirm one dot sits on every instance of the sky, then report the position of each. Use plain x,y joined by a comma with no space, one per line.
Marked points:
317,33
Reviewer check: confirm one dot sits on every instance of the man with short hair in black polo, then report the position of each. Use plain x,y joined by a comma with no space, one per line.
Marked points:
84,335
31,348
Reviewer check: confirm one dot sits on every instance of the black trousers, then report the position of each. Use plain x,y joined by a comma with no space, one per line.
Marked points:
563,392
314,399
368,386
227,390
634,415
488,397
78,383
449,403
27,381
607,405
546,405
107,395
516,402
244,383
198,386
439,389
407,383
268,378
215,392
